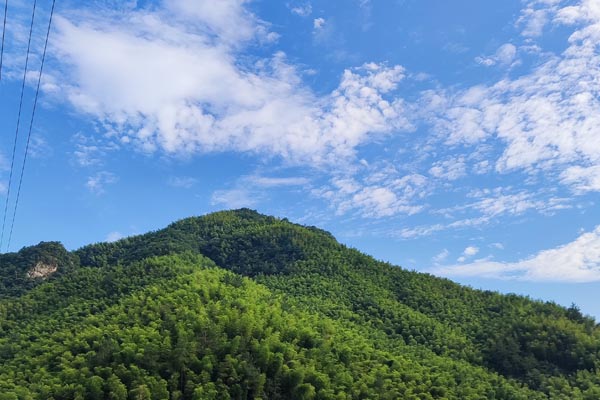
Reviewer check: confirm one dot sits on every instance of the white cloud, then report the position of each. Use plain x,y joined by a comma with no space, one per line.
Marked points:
533,21
546,120
442,256
471,251
176,79
113,237
184,88
39,147
223,20
467,253
98,182
381,193
380,202
449,169
498,202
505,55
266,181
90,151
426,230
303,10
582,179
577,261
251,190
235,198
490,207
318,23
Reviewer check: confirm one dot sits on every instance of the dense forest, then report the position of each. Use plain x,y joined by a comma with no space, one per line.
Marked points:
238,305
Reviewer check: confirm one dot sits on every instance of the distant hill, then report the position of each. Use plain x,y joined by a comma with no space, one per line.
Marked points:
238,305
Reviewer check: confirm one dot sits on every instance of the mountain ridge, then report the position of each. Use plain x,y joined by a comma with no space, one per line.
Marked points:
540,347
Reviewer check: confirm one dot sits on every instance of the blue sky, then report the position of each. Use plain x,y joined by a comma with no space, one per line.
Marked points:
457,138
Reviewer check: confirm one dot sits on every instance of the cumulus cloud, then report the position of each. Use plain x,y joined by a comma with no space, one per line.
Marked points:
176,79
183,88
577,261
470,251
318,23
467,253
546,119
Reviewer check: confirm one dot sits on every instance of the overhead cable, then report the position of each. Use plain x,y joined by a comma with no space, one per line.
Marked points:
37,91
12,163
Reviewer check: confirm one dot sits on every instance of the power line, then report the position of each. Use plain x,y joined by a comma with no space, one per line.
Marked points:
3,32
37,91
12,163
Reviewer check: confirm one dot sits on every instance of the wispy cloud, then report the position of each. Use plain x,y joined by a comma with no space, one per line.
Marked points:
378,194
426,230
490,206
235,198
577,261
97,183
251,190
505,56
91,151
441,256
302,10
269,181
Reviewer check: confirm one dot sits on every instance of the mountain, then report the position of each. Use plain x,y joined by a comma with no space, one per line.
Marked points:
238,305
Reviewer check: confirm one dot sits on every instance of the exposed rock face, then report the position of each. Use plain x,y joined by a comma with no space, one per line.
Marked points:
41,270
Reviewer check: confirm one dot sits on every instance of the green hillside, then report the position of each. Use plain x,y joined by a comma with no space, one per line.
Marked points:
237,305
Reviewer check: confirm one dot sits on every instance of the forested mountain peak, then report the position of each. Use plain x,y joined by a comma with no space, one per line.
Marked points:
24,269
240,305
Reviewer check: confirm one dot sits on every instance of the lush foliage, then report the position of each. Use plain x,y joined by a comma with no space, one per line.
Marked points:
15,266
156,317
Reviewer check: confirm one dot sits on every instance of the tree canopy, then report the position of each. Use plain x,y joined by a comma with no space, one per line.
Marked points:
238,305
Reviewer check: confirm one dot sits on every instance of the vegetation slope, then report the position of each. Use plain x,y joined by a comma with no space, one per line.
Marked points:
237,305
